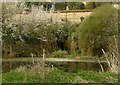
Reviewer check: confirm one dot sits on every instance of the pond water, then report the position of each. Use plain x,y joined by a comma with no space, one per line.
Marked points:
68,66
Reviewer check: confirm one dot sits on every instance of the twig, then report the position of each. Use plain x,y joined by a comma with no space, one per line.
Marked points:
32,58
43,62
106,58
101,66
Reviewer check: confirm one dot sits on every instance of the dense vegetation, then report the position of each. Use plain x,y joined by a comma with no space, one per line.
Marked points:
21,38
90,5
63,5
76,5
97,32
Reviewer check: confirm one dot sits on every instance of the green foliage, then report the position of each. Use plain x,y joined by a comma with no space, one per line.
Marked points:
60,6
59,54
97,4
90,5
75,5
71,39
19,77
96,31
82,6
75,53
65,35
46,5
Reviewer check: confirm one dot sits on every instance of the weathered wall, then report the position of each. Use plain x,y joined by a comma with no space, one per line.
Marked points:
70,16
75,17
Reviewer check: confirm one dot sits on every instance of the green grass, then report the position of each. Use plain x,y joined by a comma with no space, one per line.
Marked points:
19,77
98,77
59,76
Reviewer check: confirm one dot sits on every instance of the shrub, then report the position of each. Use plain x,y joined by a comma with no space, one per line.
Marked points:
96,32
82,6
75,53
97,4
60,6
76,5
59,54
90,5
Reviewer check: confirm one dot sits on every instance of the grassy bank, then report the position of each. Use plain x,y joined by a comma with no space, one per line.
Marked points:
59,76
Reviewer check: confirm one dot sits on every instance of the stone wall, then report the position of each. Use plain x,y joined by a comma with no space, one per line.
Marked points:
72,16
56,16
